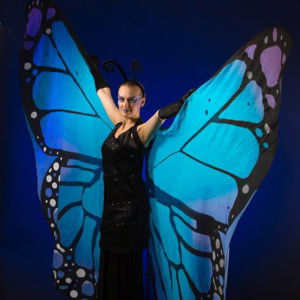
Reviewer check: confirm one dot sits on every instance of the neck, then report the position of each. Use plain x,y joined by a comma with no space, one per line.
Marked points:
130,121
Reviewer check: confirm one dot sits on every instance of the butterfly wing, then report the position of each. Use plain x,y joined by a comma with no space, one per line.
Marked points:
68,125
204,169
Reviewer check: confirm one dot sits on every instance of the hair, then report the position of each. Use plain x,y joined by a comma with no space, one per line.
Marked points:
134,83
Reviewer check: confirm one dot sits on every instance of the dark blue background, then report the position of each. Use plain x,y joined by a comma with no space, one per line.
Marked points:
180,44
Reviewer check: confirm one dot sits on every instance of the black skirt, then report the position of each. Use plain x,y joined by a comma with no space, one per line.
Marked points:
121,276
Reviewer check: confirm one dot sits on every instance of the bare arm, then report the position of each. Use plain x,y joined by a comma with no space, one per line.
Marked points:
146,131
109,105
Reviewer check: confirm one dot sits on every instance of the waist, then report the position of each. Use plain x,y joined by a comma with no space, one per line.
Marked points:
122,175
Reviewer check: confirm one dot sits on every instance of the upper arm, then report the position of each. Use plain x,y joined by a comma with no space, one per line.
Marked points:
109,105
147,130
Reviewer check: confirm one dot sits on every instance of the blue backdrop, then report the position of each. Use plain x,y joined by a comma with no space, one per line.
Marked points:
180,44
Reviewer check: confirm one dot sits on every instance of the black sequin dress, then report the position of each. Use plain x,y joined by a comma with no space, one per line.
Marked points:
125,220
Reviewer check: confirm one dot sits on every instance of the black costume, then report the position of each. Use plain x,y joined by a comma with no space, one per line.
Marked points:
200,207
124,226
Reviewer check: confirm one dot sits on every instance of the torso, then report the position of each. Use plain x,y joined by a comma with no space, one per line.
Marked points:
124,226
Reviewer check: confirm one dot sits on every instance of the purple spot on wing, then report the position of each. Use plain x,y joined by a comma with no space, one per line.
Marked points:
48,192
274,34
271,100
250,51
87,288
283,58
50,13
57,259
28,45
270,61
34,22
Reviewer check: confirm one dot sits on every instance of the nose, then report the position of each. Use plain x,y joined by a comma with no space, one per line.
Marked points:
126,103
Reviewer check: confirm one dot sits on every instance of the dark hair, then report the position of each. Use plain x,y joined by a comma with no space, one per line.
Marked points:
134,83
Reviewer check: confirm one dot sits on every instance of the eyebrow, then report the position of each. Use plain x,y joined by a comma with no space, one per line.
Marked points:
132,97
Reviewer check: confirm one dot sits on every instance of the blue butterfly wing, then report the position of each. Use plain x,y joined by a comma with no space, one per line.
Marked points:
204,169
68,125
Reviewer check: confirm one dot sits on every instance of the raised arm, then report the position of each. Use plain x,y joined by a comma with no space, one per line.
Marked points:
109,105
103,91
147,130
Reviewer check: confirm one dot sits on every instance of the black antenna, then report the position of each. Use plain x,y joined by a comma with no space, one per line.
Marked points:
109,66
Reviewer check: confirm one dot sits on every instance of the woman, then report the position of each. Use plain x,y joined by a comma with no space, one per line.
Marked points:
124,227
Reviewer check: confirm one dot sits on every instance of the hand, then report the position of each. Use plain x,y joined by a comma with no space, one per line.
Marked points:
186,95
100,82
173,108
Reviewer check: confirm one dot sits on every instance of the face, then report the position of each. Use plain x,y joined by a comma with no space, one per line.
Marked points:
130,100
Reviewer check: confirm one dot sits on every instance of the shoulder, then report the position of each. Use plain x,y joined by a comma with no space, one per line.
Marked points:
139,127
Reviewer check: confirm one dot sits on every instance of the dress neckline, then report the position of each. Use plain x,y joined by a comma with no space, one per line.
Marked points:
122,132
138,122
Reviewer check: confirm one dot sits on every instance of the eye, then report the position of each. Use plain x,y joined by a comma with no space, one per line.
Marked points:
131,100
121,99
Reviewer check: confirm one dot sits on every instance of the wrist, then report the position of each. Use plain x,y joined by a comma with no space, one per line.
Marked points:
104,91
157,115
170,110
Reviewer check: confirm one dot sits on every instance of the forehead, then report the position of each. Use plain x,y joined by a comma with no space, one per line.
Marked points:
129,91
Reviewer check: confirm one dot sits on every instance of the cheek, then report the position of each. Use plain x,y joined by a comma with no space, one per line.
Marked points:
136,107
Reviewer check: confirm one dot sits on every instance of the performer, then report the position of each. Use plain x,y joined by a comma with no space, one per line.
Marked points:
220,146
124,227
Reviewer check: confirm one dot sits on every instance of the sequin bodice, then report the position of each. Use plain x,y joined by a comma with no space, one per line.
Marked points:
124,225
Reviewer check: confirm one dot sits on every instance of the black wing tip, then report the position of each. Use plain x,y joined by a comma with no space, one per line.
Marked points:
280,30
